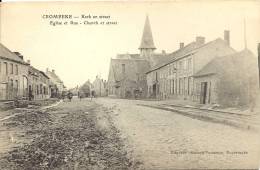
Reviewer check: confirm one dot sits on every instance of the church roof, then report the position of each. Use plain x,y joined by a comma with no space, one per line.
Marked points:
128,56
147,38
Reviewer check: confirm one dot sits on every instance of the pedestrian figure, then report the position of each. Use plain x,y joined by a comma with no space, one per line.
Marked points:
92,94
70,95
80,95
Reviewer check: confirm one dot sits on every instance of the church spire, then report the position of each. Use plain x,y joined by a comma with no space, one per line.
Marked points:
147,45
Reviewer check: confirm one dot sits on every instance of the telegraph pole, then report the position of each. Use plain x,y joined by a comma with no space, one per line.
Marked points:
259,64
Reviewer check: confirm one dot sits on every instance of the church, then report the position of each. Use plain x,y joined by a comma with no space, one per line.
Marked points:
127,72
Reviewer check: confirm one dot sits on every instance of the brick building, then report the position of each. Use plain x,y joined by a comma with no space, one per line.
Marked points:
13,75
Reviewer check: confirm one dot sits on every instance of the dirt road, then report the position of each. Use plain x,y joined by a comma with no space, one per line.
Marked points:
72,135
167,140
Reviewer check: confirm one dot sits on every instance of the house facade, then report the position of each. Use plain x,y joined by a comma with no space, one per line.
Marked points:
56,85
13,75
229,80
99,87
175,78
39,85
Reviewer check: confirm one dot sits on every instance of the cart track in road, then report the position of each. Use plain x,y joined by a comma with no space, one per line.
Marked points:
243,121
158,137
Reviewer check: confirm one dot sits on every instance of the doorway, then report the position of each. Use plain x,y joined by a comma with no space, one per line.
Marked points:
154,90
203,92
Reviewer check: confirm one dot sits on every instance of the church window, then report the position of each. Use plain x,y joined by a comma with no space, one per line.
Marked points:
123,68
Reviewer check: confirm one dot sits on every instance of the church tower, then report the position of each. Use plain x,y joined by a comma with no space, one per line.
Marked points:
147,46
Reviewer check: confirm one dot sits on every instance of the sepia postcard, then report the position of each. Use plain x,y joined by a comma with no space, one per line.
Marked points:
128,85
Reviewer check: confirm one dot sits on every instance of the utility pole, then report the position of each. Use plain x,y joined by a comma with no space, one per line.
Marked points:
259,64
245,40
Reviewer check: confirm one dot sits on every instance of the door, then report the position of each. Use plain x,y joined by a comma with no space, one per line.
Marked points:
203,92
154,90
30,93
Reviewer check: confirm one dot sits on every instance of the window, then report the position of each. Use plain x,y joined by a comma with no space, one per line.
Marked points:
40,88
16,69
6,68
172,86
180,65
16,84
189,64
37,89
11,68
185,64
179,85
12,83
123,68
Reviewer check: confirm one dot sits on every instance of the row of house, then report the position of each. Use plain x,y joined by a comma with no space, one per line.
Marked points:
204,72
98,88
19,79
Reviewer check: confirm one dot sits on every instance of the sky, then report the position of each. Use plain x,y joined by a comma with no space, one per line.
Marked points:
80,52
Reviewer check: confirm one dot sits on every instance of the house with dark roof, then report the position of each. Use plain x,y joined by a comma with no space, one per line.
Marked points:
13,75
173,77
127,78
229,80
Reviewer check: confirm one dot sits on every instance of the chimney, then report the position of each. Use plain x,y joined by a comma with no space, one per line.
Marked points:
163,52
227,36
19,55
53,71
181,45
200,40
259,63
28,61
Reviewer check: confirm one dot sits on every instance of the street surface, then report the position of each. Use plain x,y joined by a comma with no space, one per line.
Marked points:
166,140
105,133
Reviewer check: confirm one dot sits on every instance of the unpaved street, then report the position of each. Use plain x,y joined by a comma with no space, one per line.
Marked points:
166,140
113,134
72,135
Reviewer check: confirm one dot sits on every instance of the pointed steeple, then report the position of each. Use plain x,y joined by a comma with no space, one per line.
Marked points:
147,39
147,45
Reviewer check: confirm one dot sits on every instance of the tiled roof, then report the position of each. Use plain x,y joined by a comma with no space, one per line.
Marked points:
45,75
191,48
36,72
128,56
5,53
230,63
163,60
53,76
